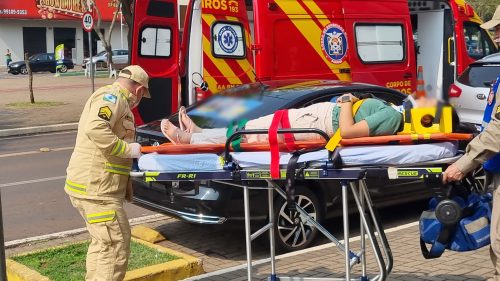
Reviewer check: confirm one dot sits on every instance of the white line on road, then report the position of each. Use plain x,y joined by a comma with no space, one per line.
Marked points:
31,181
63,234
287,255
35,152
39,135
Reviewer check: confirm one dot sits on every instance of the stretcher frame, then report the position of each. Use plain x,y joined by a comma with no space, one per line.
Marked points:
353,178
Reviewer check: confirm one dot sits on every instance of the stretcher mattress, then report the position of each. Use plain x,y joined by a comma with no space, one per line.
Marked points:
384,155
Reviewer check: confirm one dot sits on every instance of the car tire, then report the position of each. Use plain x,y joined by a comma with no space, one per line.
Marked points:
291,232
63,68
24,70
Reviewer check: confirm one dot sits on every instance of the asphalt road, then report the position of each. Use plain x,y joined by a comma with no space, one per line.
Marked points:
33,199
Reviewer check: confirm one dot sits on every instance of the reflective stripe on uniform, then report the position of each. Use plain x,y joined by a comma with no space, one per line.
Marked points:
119,148
101,217
75,187
117,169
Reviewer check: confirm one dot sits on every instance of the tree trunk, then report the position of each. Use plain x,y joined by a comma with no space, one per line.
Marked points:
30,74
127,10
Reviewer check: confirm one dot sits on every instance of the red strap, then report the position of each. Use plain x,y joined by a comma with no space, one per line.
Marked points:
273,144
289,139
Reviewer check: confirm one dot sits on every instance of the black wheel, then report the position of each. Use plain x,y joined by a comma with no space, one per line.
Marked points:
14,73
24,70
63,68
293,232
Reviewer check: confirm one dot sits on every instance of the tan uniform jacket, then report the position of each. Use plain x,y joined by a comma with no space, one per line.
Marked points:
100,164
485,145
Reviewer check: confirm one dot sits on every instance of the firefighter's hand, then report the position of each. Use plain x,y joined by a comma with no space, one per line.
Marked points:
135,150
452,173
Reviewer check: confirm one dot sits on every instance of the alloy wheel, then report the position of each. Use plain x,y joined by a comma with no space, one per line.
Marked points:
294,230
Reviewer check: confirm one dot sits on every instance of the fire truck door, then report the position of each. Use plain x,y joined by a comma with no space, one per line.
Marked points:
382,53
155,47
226,54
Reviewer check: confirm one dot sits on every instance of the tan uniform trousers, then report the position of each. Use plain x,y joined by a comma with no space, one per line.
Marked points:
495,228
109,250
317,116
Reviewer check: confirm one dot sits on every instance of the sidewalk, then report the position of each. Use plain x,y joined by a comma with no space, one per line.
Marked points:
222,250
70,92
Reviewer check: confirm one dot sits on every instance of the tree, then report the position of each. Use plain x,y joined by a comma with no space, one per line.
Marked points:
484,8
30,74
106,40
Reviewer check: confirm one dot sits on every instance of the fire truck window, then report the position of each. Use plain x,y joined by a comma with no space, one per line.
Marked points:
477,41
161,9
228,40
156,42
380,43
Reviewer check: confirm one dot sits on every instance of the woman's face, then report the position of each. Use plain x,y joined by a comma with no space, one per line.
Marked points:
496,37
426,102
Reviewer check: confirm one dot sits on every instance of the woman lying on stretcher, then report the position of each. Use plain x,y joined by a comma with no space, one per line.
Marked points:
373,118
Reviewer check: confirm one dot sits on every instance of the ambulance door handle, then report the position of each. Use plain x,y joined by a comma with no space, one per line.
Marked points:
407,75
481,96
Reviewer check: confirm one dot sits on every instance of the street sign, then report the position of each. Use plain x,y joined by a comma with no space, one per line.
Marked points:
87,22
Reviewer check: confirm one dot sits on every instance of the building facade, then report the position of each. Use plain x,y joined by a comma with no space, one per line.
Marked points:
38,26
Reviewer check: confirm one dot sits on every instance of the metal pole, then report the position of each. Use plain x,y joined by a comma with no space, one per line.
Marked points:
272,243
3,274
248,239
91,64
345,218
121,25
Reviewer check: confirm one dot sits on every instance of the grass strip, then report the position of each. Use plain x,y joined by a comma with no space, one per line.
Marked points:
68,263
38,104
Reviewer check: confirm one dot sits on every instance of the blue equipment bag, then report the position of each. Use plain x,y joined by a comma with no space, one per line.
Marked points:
459,224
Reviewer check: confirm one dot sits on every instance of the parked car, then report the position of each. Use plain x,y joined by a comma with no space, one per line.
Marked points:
40,62
470,92
215,203
100,59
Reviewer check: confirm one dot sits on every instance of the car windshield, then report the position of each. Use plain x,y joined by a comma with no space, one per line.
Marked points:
100,54
239,104
477,75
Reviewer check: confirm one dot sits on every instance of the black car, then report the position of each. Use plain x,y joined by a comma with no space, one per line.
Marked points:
40,62
214,203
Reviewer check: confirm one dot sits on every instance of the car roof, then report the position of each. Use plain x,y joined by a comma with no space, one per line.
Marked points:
291,89
493,58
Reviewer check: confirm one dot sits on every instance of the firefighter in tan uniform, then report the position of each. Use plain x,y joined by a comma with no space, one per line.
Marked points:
485,148
98,172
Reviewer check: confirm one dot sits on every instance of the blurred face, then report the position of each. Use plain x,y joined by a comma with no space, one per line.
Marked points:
496,37
426,102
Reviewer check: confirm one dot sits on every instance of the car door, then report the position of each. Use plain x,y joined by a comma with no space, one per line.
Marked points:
37,64
155,47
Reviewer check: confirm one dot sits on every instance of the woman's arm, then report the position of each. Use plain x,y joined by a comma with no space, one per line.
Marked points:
348,128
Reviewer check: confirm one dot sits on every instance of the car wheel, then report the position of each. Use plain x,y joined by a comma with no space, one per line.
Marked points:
292,232
63,68
24,70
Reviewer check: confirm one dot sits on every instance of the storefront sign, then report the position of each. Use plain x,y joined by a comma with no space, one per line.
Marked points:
53,9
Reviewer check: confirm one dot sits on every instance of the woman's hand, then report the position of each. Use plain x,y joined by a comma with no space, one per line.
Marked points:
351,97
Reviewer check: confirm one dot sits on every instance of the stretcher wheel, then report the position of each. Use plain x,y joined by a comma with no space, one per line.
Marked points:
448,212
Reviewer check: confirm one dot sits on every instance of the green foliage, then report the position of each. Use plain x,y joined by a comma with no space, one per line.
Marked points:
484,8
34,105
68,263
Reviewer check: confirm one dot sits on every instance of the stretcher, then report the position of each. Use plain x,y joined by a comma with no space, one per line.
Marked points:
314,165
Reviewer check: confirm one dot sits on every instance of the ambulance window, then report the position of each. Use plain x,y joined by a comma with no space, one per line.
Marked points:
161,9
477,41
155,42
380,43
228,40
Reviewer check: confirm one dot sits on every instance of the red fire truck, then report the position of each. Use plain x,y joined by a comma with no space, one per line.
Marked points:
223,43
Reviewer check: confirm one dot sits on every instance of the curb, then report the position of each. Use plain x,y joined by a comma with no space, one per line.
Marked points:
38,130
184,267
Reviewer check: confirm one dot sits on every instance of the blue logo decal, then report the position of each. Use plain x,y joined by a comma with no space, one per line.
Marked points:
228,39
334,43
109,97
